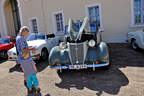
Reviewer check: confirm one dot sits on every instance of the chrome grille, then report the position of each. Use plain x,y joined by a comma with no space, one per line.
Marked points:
143,37
77,53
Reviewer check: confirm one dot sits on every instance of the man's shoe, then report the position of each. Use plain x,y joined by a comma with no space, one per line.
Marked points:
38,90
30,91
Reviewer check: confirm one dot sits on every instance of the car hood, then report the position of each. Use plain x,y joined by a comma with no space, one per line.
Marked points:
36,43
3,46
12,50
136,32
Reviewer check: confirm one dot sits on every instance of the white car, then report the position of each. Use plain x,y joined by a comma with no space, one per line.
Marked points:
43,44
136,39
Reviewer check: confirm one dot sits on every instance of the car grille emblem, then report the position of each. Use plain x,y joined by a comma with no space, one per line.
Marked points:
77,61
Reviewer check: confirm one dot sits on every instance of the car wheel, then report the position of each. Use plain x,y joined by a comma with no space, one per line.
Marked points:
4,54
59,71
44,54
134,45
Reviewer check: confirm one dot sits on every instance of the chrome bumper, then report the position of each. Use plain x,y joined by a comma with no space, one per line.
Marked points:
88,66
15,59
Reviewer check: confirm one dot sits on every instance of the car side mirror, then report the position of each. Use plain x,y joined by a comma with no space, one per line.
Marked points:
50,36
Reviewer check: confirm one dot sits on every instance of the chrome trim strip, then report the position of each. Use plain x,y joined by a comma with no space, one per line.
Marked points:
85,47
70,53
89,65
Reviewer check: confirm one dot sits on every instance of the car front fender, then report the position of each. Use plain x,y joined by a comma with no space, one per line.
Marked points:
138,36
99,53
58,56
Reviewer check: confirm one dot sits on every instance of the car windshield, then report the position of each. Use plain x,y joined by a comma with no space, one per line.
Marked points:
4,40
36,37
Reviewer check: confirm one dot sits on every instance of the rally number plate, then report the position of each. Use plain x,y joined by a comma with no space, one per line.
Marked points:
83,66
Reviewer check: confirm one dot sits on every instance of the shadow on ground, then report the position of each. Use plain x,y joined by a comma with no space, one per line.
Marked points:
47,95
41,65
35,94
109,81
2,60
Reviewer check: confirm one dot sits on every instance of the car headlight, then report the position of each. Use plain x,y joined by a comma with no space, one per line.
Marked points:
92,43
62,45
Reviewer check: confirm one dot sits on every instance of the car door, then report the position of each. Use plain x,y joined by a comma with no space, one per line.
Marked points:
50,43
139,36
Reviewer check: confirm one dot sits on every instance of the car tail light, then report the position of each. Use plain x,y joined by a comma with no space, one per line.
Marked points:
58,64
36,55
9,57
96,62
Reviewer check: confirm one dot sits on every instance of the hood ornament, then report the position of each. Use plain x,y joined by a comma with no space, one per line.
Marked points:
77,62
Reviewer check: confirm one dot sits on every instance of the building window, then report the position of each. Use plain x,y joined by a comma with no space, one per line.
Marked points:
34,25
59,22
94,12
139,11
94,15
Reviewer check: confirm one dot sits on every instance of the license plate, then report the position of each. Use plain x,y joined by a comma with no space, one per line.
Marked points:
84,66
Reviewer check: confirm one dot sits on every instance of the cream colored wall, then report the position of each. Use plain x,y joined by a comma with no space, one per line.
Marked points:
1,32
116,15
1,23
30,9
9,19
116,19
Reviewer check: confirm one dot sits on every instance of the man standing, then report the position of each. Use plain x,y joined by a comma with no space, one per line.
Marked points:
26,62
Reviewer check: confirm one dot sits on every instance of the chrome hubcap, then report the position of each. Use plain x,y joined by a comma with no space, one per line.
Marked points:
134,45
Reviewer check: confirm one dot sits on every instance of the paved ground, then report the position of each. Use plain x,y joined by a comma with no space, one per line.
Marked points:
124,78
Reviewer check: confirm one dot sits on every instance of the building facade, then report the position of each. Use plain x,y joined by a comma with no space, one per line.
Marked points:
115,17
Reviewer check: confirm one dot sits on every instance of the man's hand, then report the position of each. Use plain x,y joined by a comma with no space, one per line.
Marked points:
35,69
31,48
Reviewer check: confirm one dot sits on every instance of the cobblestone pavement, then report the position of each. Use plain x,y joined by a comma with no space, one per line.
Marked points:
124,78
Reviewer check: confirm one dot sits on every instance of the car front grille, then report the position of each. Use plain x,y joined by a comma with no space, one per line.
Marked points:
77,53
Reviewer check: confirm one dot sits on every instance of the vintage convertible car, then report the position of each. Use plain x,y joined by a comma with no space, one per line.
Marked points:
81,49
43,44
136,39
6,43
